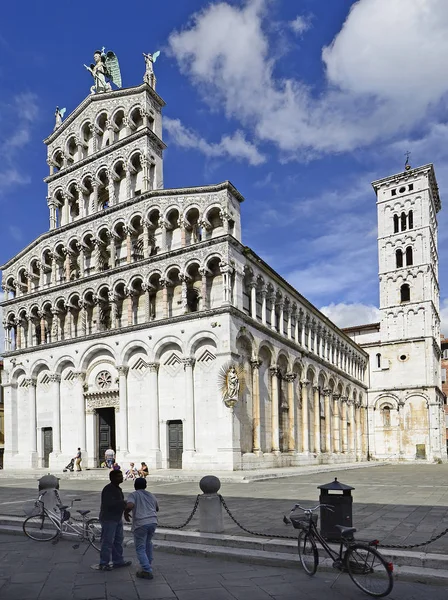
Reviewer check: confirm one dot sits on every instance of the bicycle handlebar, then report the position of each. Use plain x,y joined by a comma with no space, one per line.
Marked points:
311,510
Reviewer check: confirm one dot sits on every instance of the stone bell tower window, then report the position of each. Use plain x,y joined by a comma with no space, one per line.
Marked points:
399,258
405,293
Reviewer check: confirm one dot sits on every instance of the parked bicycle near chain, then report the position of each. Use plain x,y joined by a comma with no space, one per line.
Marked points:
366,567
50,525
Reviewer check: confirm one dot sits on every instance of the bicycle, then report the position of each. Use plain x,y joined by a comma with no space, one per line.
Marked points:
47,525
368,570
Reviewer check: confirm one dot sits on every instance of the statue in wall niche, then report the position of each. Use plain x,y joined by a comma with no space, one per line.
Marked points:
105,70
231,379
149,76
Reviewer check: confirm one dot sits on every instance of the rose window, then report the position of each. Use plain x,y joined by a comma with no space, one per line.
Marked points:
104,380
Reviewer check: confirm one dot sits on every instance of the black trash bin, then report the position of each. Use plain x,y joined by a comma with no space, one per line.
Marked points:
339,497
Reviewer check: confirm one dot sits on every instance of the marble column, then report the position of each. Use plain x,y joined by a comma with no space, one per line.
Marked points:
344,424
316,393
81,410
289,322
112,250
272,299
264,293
336,422
31,385
290,378
327,408
305,430
123,395
204,295
281,306
352,442
154,437
164,286
145,239
190,444
358,430
253,300
128,246
275,432
256,424
55,379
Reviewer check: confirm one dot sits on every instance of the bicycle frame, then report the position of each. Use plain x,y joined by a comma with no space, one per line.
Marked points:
344,544
78,530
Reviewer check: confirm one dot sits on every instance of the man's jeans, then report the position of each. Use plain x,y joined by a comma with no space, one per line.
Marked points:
143,545
111,542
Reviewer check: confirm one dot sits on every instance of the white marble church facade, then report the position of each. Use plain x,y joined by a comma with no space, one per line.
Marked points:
120,320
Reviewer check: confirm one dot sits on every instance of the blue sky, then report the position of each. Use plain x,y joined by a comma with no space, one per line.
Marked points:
301,104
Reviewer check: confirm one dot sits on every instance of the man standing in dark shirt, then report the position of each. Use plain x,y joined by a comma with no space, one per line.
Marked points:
111,517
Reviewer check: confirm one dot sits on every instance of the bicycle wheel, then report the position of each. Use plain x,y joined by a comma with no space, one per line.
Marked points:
94,533
308,554
369,570
40,528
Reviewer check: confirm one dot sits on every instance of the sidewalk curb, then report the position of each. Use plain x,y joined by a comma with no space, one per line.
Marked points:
410,566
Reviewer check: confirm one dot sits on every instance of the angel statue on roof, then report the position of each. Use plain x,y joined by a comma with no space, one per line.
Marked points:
149,76
105,70
59,115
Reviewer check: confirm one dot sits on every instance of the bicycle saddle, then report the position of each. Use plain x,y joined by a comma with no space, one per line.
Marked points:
83,512
63,507
345,531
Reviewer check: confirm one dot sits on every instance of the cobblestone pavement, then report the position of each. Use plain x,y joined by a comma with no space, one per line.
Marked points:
399,504
40,571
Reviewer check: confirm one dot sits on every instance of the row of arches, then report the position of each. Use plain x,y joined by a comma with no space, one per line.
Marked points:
130,302
293,406
126,178
403,221
98,132
269,305
123,242
407,255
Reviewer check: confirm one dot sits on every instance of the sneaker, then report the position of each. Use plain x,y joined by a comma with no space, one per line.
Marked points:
126,563
101,567
144,575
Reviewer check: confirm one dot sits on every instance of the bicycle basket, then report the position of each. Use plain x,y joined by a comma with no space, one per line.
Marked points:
65,515
303,521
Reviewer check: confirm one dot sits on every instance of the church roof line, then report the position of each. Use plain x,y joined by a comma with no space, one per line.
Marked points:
100,98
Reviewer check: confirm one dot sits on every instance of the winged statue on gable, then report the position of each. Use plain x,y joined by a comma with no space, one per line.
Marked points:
105,70
59,115
149,76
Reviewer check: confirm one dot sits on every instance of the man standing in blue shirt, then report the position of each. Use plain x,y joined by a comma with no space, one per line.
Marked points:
111,517
144,509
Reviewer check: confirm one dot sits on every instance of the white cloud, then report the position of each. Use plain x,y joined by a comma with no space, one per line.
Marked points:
21,112
385,70
15,233
348,315
300,24
234,146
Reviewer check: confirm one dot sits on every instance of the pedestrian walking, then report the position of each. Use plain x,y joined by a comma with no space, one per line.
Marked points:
144,508
109,457
111,518
78,460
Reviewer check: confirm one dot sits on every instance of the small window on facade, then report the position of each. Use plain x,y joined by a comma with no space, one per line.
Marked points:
409,257
402,190
411,219
396,223
403,221
399,258
386,416
411,187
405,292
393,192
378,360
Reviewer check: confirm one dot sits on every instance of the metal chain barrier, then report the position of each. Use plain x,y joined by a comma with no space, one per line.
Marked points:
409,546
268,535
195,507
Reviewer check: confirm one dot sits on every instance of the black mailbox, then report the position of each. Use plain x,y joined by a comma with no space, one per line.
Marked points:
339,497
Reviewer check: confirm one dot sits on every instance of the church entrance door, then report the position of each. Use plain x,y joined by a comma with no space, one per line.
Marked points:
48,445
175,444
106,431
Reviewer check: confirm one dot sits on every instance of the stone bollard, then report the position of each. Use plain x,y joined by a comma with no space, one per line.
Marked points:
50,485
210,507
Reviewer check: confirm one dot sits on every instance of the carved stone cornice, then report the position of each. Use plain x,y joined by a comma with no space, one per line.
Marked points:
255,363
290,377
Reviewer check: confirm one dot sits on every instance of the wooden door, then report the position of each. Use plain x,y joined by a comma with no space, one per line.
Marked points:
175,444
48,445
106,432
